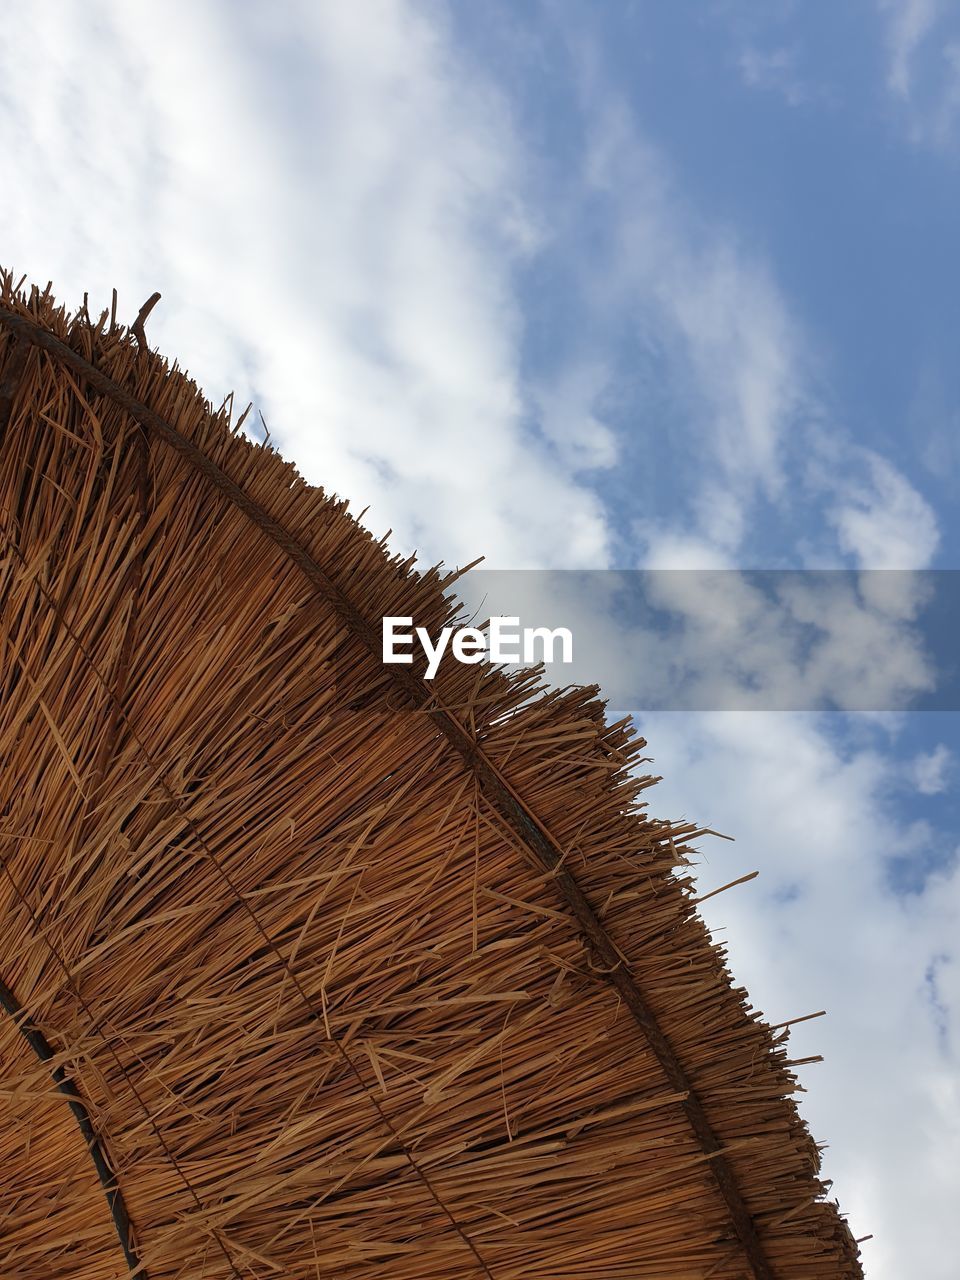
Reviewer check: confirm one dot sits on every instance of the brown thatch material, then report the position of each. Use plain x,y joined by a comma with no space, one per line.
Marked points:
312,969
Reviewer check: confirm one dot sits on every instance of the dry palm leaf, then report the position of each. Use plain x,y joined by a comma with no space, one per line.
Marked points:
310,968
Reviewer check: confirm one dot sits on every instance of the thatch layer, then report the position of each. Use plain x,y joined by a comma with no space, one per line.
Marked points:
345,988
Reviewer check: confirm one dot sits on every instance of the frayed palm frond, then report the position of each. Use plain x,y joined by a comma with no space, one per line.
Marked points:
311,968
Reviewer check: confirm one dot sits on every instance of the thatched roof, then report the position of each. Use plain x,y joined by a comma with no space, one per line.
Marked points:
310,968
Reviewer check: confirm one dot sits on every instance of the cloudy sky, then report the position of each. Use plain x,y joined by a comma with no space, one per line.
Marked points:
594,286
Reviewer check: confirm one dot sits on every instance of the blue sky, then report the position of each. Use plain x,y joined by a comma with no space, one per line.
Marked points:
590,286
778,130
781,131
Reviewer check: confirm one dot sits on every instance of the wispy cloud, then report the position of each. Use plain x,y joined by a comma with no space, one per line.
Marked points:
881,520
695,639
718,316
923,70
758,430
909,23
930,771
776,70
334,207
821,928
807,807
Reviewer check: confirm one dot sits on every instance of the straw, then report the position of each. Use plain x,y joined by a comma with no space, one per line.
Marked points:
351,975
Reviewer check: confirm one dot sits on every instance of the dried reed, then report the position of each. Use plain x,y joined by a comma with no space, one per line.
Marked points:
348,979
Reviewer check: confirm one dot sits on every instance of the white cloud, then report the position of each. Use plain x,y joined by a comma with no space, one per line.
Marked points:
884,523
333,207
747,371
694,639
568,416
821,928
814,816
930,771
721,324
775,71
929,94
909,22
